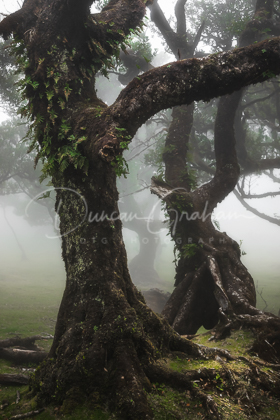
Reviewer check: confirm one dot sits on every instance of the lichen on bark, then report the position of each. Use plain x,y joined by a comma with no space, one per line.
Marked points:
107,341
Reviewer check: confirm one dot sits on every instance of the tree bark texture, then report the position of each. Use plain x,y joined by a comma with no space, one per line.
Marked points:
26,342
25,350
197,300
210,274
19,356
210,277
8,379
107,340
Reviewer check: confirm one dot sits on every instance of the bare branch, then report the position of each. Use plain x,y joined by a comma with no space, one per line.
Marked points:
261,165
242,107
198,35
271,175
181,83
181,17
27,415
159,19
256,212
264,195
10,379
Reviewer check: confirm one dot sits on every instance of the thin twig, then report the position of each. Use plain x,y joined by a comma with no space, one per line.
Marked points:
26,415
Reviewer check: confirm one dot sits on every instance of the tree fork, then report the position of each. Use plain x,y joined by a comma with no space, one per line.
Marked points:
102,316
210,273
215,287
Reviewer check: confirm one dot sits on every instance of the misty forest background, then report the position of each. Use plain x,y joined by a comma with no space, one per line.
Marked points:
32,274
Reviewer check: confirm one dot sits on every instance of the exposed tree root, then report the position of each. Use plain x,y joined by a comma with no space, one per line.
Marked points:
244,386
27,415
8,379
19,356
261,363
130,376
266,328
128,366
25,351
27,343
182,382
197,350
124,366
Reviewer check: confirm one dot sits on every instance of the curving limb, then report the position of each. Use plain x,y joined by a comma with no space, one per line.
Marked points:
106,337
247,206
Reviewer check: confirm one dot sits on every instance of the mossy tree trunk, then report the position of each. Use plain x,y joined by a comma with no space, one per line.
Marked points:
106,339
207,258
210,277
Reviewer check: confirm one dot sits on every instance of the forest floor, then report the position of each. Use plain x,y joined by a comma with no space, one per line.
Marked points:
236,398
26,312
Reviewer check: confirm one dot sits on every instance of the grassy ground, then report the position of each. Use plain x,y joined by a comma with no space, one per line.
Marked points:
166,403
29,305
29,301
176,405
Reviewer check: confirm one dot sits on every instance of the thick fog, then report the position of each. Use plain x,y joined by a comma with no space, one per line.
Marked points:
30,248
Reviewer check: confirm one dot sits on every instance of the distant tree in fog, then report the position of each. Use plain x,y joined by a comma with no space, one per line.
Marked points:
107,341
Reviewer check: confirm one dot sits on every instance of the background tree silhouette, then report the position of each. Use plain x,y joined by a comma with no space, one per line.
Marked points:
107,341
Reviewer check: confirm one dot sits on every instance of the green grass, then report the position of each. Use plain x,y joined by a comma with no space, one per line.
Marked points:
30,295
29,303
268,292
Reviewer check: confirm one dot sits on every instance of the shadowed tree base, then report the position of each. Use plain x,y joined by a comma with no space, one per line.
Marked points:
115,361
116,368
215,280
213,287
107,341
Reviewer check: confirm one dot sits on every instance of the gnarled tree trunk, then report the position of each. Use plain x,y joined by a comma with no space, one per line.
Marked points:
107,340
210,277
209,273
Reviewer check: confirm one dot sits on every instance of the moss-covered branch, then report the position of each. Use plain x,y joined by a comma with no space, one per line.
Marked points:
179,83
